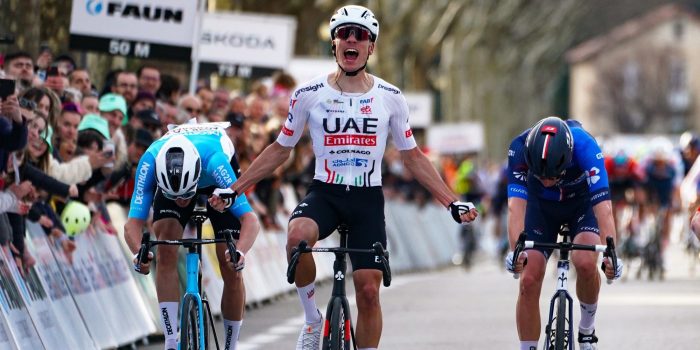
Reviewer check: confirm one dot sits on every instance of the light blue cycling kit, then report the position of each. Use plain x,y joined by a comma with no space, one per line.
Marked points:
215,150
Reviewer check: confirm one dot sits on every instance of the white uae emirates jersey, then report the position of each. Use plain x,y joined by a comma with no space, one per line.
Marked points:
348,131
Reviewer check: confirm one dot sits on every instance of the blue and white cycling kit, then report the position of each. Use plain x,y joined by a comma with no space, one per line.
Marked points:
583,185
216,152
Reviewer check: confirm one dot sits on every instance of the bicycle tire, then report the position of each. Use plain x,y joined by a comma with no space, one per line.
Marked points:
560,341
339,335
189,333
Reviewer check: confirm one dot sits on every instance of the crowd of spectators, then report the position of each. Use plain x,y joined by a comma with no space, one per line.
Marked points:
64,139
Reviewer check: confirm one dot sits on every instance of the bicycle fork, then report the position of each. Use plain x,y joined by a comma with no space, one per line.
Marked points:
563,266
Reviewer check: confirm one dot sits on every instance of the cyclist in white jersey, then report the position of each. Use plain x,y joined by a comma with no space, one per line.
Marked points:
350,114
188,161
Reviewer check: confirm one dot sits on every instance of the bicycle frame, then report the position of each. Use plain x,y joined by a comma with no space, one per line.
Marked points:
194,277
563,267
339,270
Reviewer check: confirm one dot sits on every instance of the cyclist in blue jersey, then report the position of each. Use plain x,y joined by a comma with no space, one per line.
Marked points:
557,176
188,161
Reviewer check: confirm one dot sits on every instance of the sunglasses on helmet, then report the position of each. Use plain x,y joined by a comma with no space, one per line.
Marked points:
360,33
185,196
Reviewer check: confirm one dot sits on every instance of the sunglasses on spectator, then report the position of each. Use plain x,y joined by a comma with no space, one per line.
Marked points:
27,104
192,110
360,33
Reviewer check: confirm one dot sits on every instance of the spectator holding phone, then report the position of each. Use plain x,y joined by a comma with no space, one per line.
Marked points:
19,66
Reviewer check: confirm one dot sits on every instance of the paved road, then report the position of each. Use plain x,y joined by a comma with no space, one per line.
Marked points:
455,309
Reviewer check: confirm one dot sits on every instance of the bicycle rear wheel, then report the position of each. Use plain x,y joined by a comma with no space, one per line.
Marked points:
190,332
339,323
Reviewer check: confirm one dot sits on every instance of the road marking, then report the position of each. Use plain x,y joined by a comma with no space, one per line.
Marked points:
291,325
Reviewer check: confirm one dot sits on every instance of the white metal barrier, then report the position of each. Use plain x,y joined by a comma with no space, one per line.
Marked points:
98,302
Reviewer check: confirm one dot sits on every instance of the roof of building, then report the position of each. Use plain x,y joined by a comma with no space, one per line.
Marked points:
629,29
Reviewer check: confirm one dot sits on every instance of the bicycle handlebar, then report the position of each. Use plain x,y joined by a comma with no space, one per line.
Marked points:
303,247
146,245
608,250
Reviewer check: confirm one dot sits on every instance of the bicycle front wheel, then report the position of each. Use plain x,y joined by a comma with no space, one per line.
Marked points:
190,334
560,332
339,323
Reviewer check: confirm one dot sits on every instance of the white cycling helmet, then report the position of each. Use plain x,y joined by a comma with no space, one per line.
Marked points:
353,14
178,168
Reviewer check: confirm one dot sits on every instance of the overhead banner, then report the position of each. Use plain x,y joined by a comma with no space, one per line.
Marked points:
153,29
456,138
246,45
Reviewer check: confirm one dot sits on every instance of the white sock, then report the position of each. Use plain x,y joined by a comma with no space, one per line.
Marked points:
308,301
528,345
171,344
231,332
585,326
169,321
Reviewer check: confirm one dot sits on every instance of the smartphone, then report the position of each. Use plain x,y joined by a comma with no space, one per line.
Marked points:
7,88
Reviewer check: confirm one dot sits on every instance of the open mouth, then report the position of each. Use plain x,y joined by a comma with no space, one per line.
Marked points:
351,54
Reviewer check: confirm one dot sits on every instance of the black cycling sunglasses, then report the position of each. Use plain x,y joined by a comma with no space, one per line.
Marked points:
360,33
27,104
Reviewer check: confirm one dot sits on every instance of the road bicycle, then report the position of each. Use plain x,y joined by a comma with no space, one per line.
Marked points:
194,328
338,329
558,335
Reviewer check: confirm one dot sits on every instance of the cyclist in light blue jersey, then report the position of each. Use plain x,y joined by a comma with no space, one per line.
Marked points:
189,161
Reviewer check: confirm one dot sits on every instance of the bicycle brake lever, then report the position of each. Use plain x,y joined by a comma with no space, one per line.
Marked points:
384,257
232,251
518,249
610,253
294,260
143,251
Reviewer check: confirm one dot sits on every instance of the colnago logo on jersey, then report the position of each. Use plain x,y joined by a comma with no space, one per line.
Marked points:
356,162
593,176
313,88
353,151
140,182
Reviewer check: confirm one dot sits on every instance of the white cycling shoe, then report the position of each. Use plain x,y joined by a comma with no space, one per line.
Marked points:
310,336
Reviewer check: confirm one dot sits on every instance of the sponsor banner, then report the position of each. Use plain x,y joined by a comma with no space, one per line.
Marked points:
456,138
14,309
90,302
71,332
347,140
233,70
145,284
6,341
131,309
420,109
246,39
153,29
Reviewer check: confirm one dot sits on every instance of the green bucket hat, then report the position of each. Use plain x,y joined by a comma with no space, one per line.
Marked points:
46,135
95,122
112,102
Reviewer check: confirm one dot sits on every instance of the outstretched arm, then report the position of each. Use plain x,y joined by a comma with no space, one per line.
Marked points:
425,173
270,158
